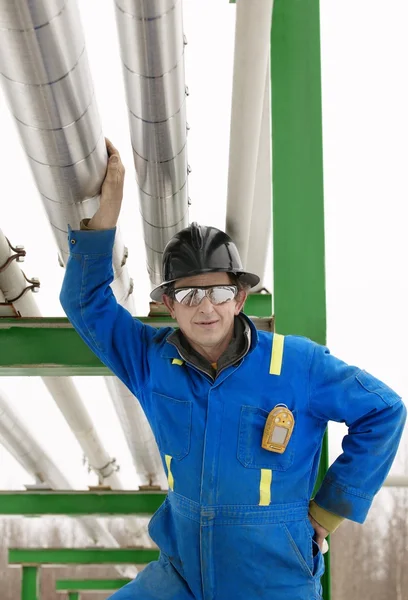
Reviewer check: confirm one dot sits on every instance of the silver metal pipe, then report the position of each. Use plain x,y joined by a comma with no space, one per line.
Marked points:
396,481
45,73
252,43
65,394
152,51
47,82
138,434
19,441
261,218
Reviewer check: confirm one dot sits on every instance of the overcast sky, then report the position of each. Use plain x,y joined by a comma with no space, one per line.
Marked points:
365,124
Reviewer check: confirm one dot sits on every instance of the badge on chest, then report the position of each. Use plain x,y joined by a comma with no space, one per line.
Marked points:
278,429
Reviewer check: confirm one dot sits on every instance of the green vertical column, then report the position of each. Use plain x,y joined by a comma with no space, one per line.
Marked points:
297,149
73,596
29,583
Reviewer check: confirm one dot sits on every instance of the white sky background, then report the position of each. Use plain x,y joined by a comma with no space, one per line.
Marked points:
365,99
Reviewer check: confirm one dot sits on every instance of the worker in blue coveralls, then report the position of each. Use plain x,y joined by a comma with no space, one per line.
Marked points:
239,417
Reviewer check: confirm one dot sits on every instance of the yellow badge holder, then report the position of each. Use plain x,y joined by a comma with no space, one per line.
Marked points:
278,429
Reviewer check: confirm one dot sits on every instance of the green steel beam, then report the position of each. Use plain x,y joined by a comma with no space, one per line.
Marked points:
298,215
75,504
49,347
29,584
258,305
90,585
298,210
52,346
73,596
81,556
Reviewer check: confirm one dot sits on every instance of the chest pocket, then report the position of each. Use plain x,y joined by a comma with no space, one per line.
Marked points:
250,451
172,425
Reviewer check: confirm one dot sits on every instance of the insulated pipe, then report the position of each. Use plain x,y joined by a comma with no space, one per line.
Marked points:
63,390
396,481
252,43
152,51
17,440
138,434
260,231
46,79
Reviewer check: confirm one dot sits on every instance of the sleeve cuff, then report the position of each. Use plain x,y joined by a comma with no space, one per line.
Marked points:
90,241
343,500
326,519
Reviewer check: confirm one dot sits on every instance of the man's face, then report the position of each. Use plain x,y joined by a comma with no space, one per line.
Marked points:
206,325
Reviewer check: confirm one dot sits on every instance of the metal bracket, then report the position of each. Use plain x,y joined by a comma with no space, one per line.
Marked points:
34,287
105,471
125,256
19,256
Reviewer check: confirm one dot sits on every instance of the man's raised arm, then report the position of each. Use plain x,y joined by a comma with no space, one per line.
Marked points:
120,341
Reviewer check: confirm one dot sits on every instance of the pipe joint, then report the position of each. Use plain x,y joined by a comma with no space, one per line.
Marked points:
105,471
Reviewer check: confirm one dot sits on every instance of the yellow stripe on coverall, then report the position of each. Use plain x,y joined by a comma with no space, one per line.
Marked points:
277,354
265,487
169,473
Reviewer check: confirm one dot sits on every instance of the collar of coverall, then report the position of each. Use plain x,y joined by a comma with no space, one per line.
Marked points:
244,341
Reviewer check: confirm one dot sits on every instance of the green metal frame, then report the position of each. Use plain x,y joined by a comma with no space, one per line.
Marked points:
29,583
77,504
31,559
81,556
259,305
52,347
298,210
90,585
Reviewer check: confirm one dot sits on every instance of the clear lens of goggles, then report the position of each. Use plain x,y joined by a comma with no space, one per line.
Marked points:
217,294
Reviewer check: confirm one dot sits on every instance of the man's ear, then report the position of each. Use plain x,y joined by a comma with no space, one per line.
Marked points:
169,304
240,301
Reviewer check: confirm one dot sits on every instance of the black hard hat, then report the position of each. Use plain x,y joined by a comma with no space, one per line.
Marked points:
200,249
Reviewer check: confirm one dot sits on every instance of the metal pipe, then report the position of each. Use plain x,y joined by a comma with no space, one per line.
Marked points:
18,440
260,229
396,481
252,43
152,51
63,390
138,434
47,81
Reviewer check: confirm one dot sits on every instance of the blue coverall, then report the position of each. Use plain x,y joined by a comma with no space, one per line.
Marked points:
234,525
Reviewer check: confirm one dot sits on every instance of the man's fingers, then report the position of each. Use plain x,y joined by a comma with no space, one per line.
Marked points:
112,151
322,543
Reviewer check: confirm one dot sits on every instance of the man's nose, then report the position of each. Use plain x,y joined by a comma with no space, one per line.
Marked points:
205,306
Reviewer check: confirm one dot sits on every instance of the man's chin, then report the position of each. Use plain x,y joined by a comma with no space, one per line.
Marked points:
208,338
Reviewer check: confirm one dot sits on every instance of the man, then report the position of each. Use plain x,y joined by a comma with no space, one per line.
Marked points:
238,416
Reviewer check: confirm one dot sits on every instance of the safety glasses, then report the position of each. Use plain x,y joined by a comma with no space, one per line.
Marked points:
217,294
